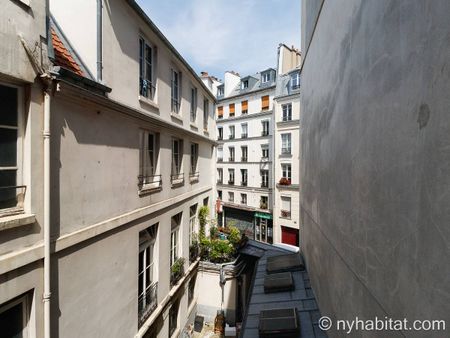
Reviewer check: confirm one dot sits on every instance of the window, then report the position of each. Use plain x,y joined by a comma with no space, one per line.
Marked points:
231,196
175,93
265,151
149,158
219,154
244,84
173,317
11,193
146,84
244,199
193,104
265,128
244,151
220,90
231,150
265,102
147,297
230,176
191,289
264,202
285,207
231,135
295,80
287,112
265,77
219,175
286,170
264,178
244,177
219,194
244,107
232,109
205,114
220,112
206,201
14,317
175,228
192,219
244,130
194,157
285,143
177,158
220,132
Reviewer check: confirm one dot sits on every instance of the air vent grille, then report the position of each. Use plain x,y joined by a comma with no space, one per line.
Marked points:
279,282
280,323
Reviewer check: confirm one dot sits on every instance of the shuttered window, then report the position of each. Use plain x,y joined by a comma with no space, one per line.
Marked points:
265,102
244,105
232,109
220,112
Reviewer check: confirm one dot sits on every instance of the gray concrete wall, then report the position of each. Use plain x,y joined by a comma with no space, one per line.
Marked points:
375,137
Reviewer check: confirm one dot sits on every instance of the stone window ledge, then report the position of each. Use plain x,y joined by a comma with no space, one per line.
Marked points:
14,221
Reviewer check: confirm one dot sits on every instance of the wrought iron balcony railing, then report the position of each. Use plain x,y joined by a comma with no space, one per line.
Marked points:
286,213
177,179
12,197
150,182
147,303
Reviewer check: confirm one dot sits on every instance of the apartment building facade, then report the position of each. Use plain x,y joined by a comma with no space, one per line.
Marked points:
130,138
287,147
244,154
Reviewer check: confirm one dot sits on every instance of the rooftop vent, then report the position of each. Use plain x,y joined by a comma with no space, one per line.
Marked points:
283,263
280,323
279,282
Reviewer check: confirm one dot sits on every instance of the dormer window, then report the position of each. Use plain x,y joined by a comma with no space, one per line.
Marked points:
244,84
295,80
265,77
220,91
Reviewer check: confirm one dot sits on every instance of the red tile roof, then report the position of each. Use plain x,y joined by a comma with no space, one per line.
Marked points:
63,58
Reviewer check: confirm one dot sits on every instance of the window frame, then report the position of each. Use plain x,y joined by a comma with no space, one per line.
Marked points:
175,90
149,177
231,176
244,126
192,221
265,148
263,77
205,113
175,237
286,171
265,131
144,63
286,112
232,153
264,178
286,144
231,132
25,301
194,158
177,157
231,196
244,198
194,104
295,80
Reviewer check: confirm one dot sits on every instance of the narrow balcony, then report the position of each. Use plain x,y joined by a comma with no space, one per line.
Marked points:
149,183
286,214
244,135
243,159
231,182
231,137
264,184
265,133
176,271
177,179
244,183
194,177
231,159
147,302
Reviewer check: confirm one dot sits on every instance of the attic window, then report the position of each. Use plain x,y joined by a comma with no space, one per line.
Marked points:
295,80
284,263
278,323
265,77
244,84
220,91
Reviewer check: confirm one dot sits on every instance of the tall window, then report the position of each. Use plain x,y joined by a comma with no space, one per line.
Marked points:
231,196
146,85
193,104
265,127
232,109
230,176
265,102
177,156
286,170
175,93
146,288
219,175
192,219
219,154
295,80
287,111
232,134
243,198
11,196
220,132
244,107
285,143
14,317
194,157
191,289
244,130
149,158
264,202
285,207
244,177
231,150
219,194
265,77
175,228
244,84
220,90
265,151
264,178
205,114
244,151
173,317
220,112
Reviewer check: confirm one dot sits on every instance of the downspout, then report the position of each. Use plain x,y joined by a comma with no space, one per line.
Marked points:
46,135
99,40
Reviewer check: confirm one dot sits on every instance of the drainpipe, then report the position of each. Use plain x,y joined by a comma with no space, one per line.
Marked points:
99,40
46,135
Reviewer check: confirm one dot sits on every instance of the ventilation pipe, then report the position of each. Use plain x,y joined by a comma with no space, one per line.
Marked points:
99,40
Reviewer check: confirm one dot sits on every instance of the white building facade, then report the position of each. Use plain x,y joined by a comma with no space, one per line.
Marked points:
245,152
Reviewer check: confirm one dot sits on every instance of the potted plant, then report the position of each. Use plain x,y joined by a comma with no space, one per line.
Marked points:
177,270
285,181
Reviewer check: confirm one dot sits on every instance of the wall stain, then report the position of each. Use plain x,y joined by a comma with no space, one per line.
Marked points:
424,115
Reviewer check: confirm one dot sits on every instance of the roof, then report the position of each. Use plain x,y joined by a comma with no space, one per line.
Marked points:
302,298
63,57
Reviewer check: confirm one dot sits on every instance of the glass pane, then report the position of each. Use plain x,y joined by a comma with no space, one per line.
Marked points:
8,147
8,197
11,322
8,104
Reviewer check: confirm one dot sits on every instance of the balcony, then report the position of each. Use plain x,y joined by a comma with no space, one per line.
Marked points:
286,214
231,159
265,133
194,177
231,182
244,202
264,184
244,135
177,179
147,303
176,271
244,112
244,183
243,159
286,151
11,198
220,159
220,138
231,137
149,183
284,181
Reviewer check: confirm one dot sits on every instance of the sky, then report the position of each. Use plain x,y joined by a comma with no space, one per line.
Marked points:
220,35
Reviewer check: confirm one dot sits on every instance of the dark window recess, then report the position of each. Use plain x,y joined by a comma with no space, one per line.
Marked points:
280,323
283,263
279,282
11,321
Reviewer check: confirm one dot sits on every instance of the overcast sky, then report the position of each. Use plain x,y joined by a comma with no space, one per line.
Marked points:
220,35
